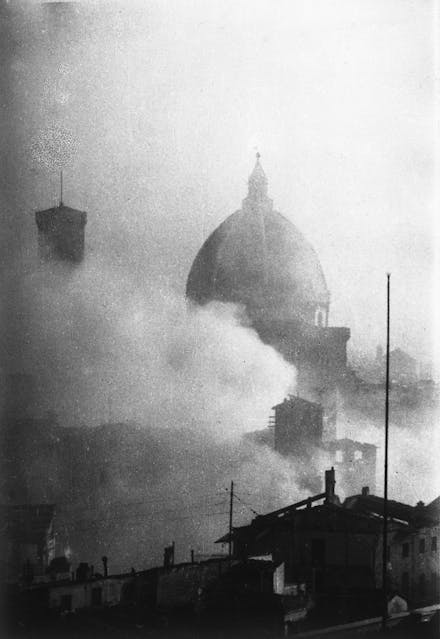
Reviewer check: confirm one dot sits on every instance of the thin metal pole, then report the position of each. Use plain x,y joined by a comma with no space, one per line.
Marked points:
231,508
385,479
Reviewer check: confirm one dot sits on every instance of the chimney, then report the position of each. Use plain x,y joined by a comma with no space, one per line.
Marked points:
365,491
330,482
168,556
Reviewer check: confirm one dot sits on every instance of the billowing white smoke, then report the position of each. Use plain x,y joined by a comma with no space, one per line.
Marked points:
99,344
103,347
413,473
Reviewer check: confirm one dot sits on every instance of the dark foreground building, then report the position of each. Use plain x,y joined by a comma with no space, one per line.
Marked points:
413,551
321,549
27,541
310,565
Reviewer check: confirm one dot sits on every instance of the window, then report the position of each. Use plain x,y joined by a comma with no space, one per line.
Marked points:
434,543
422,544
405,550
339,456
358,454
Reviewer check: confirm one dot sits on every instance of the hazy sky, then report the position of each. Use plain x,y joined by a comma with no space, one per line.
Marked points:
162,105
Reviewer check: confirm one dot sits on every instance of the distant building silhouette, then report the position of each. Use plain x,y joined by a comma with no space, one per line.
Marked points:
299,430
298,425
61,233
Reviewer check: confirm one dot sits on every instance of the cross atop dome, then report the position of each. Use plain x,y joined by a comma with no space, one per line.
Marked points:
257,181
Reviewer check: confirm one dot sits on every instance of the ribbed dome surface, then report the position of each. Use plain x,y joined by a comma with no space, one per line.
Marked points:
258,258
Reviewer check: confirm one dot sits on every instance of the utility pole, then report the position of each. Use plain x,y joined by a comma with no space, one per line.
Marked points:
231,508
385,479
110,408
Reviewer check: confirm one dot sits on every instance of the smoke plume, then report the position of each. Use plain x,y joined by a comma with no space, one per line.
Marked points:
180,384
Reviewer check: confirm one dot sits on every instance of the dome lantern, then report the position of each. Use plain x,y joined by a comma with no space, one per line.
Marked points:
257,182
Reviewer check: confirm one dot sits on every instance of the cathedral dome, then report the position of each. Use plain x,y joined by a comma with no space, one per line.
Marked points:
259,259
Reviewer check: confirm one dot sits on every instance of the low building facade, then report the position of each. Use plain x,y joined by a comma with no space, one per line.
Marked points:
413,563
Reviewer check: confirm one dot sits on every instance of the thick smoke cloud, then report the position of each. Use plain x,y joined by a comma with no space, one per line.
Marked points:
184,383
182,386
413,435
98,343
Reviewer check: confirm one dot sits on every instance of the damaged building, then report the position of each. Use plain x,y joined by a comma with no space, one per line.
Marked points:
298,431
331,551
355,463
322,549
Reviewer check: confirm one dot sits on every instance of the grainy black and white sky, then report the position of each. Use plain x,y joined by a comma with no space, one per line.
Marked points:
161,106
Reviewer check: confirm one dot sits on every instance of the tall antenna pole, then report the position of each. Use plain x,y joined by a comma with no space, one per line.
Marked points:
385,479
231,508
61,188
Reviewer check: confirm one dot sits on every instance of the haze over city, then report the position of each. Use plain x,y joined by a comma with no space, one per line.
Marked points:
134,406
